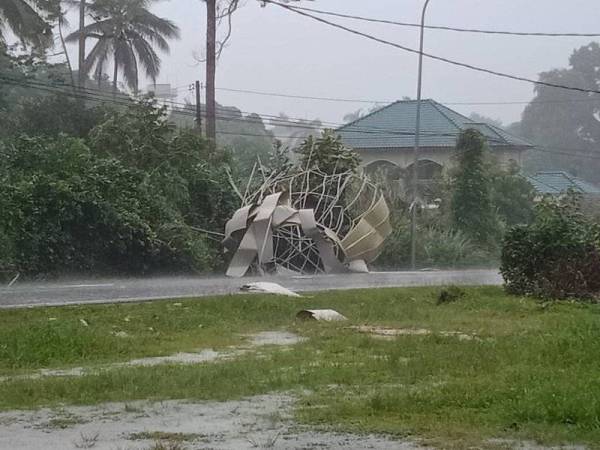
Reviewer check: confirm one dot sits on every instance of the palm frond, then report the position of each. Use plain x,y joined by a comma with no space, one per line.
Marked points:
160,25
147,57
97,56
25,22
104,28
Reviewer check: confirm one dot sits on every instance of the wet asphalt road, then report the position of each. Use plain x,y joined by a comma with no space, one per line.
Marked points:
79,291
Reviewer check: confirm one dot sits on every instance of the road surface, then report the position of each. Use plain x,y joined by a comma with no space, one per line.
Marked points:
58,293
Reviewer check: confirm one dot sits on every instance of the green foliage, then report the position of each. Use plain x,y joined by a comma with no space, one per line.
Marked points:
243,136
471,208
26,22
559,118
556,256
189,173
138,136
69,208
453,391
328,154
279,159
395,253
512,197
54,114
70,211
446,248
450,294
126,32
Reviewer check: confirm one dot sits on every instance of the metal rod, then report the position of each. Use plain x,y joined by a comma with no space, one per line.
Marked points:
415,196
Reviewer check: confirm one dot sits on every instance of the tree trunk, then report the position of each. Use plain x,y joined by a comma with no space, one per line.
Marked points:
115,75
81,43
211,39
64,47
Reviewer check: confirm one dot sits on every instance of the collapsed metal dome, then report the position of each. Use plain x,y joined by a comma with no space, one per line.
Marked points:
306,222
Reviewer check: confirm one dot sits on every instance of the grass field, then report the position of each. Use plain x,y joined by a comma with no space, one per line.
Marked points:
530,371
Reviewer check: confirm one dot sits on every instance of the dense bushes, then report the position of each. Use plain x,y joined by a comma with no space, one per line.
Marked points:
556,256
129,198
66,210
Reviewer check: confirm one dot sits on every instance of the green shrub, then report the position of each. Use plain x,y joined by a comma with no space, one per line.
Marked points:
66,210
446,247
556,256
450,294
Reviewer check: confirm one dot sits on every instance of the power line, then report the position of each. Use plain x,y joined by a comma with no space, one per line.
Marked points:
128,102
566,152
304,97
186,109
431,56
446,28
122,101
358,100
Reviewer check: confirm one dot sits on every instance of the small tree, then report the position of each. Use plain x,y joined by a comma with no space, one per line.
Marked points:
512,196
471,209
328,154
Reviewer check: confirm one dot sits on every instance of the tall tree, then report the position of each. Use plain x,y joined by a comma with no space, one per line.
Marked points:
126,31
566,123
471,205
24,19
57,16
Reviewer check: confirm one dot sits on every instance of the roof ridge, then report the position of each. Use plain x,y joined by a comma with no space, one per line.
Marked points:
369,114
494,127
491,128
435,105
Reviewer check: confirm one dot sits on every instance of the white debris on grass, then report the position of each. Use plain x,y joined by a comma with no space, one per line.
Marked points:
267,287
327,315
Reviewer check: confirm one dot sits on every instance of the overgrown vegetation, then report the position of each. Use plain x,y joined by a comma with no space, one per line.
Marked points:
525,370
96,189
557,255
471,207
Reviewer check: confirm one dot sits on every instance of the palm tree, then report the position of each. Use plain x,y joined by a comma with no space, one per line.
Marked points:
23,18
126,31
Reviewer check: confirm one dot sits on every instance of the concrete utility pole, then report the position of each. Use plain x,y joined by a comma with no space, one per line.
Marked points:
211,64
198,108
81,74
415,196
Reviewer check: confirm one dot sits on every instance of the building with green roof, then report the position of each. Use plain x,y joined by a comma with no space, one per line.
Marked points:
558,182
385,138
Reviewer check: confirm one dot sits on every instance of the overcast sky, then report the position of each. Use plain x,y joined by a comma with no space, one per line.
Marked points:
278,51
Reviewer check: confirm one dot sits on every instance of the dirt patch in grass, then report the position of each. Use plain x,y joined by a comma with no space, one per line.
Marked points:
265,338
390,333
257,422
530,372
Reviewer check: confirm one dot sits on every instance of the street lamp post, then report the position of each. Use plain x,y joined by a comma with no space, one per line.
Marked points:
415,180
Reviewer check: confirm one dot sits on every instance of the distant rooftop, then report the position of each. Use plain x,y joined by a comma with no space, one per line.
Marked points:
558,182
393,126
